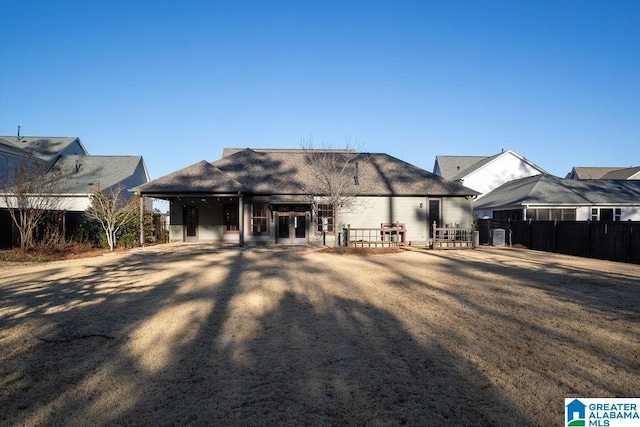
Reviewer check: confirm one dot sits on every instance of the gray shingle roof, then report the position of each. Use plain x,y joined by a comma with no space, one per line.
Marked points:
85,174
201,177
40,147
273,171
451,166
546,189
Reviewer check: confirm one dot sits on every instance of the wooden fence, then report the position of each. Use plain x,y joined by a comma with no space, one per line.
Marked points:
610,240
452,238
388,235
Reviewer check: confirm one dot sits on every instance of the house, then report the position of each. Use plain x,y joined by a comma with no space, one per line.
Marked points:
273,196
579,172
546,197
80,175
483,174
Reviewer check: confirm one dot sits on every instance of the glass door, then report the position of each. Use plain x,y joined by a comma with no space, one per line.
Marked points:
300,225
434,216
283,227
292,225
191,223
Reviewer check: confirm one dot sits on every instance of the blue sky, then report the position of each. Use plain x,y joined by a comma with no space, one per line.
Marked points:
176,82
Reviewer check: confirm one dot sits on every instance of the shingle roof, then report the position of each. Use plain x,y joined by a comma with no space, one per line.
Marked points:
201,177
273,171
626,173
40,147
582,172
85,174
451,166
546,189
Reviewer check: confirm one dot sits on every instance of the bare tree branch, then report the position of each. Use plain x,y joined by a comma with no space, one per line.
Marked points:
30,192
335,175
113,210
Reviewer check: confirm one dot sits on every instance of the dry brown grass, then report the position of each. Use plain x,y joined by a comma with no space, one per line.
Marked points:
205,335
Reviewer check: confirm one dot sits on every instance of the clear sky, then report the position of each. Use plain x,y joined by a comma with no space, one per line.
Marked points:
177,81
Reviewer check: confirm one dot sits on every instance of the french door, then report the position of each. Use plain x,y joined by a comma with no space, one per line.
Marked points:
292,227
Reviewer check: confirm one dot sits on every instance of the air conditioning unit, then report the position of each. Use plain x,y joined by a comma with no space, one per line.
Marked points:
497,237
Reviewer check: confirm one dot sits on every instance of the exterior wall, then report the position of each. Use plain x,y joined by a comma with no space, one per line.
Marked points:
457,210
372,211
210,222
502,169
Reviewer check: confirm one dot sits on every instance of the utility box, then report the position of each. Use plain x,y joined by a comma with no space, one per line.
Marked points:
497,237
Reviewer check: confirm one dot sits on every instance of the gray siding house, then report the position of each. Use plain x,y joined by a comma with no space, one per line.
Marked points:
273,196
82,175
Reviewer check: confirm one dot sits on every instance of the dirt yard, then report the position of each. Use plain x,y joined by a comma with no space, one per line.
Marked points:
180,334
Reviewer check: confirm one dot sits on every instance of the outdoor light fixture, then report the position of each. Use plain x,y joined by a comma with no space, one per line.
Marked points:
421,205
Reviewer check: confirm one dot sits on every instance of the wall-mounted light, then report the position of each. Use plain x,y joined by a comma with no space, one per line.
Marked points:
421,205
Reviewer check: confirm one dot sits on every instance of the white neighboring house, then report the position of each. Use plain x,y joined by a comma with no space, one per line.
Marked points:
484,174
546,198
82,173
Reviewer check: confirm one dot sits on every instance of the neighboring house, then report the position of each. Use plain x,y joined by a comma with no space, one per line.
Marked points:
579,172
268,196
546,197
483,174
81,174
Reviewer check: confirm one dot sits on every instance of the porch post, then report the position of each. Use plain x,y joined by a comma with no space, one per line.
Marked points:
240,219
141,220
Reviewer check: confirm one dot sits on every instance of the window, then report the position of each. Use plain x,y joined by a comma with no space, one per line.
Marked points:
606,214
230,212
568,214
259,216
551,214
325,214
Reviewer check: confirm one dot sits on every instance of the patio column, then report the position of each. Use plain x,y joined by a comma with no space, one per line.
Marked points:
141,220
240,220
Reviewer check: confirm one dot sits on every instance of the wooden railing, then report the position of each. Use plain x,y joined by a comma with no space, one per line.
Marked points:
452,237
387,235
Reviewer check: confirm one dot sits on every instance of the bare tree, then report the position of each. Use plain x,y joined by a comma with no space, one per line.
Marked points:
30,192
334,176
112,210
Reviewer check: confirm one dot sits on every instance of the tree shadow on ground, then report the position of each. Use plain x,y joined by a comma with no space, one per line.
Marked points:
224,337
553,328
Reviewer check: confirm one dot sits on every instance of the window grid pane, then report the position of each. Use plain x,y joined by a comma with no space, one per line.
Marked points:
325,210
259,219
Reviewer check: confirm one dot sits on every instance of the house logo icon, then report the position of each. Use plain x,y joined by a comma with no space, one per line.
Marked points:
575,413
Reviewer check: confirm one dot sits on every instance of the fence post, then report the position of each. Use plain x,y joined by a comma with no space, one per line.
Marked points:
347,235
